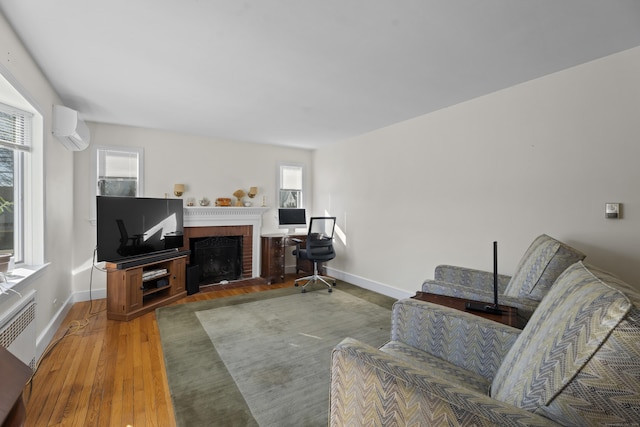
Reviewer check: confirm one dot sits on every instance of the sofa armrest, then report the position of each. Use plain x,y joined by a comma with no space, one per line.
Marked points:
369,387
470,278
458,337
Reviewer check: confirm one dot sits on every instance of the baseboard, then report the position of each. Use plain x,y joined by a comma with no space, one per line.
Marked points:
371,285
90,295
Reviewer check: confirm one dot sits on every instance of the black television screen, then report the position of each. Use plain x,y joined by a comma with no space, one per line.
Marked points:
136,226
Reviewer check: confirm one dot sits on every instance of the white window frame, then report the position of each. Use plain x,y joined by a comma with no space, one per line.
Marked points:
29,180
301,202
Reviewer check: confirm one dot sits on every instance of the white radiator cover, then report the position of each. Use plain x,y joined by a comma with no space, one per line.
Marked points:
18,329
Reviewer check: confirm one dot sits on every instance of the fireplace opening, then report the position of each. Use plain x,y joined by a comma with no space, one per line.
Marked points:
218,258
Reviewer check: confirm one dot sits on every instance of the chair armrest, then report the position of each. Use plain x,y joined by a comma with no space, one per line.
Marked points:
298,242
470,278
458,337
373,388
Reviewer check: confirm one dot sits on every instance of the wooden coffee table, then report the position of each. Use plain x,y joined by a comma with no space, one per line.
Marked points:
508,317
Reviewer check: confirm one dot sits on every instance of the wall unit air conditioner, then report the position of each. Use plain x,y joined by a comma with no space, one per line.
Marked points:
72,132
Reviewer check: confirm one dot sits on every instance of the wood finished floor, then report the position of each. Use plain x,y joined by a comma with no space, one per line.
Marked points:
109,373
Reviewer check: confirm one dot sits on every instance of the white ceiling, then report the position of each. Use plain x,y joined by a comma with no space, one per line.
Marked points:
299,72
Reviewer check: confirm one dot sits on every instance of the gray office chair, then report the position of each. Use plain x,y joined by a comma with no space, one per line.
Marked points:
318,248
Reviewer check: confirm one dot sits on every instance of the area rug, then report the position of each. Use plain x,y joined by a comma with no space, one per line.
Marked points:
263,359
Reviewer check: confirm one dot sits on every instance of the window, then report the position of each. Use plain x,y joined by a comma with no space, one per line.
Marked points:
291,186
15,147
117,171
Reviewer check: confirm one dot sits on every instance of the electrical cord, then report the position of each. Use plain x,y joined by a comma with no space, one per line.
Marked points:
4,286
75,326
93,266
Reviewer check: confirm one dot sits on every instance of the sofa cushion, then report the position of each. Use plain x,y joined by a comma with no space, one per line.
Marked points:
435,366
545,259
569,326
608,385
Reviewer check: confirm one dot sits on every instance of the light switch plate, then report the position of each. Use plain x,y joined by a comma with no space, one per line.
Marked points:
612,210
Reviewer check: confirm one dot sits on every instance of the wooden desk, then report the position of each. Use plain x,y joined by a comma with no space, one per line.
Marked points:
273,254
15,375
508,317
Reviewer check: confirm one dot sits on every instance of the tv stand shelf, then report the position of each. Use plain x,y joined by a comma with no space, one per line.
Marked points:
130,294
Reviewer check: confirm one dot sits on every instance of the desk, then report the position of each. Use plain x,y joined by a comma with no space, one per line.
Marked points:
508,317
273,249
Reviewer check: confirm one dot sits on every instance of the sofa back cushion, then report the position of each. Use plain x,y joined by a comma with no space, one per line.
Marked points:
540,266
606,391
569,326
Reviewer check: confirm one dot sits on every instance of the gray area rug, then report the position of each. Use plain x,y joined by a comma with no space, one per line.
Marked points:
263,358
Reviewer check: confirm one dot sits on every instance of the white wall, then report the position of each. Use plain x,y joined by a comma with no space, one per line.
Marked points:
54,285
541,157
208,167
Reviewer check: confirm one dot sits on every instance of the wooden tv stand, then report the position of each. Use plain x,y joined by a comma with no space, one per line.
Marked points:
131,292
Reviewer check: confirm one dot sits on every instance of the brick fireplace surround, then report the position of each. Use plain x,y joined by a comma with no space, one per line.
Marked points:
228,221
246,231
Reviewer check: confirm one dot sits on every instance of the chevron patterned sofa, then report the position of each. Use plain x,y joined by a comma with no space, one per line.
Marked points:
576,362
542,263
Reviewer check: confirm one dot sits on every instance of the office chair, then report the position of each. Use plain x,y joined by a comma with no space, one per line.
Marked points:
318,248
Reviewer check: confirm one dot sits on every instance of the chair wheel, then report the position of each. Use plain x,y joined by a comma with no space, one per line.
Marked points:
304,290
295,284
330,290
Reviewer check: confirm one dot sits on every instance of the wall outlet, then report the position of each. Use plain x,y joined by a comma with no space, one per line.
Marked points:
612,210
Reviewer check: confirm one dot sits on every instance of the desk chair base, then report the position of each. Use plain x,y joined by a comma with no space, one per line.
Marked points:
314,279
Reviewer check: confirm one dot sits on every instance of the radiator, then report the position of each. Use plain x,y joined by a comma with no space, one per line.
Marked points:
18,329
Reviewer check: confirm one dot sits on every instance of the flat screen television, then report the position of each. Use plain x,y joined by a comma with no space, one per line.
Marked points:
292,219
130,227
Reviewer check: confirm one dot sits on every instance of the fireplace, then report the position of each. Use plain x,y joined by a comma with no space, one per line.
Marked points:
210,221
218,258
216,242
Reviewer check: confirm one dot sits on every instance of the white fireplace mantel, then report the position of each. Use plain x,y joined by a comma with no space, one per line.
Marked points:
206,216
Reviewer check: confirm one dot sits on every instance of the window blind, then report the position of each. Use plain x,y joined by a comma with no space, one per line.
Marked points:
15,128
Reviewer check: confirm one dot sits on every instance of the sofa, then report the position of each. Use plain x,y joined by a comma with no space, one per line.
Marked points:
542,263
575,363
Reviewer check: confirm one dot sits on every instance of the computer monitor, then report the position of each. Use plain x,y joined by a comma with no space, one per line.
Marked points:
292,219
